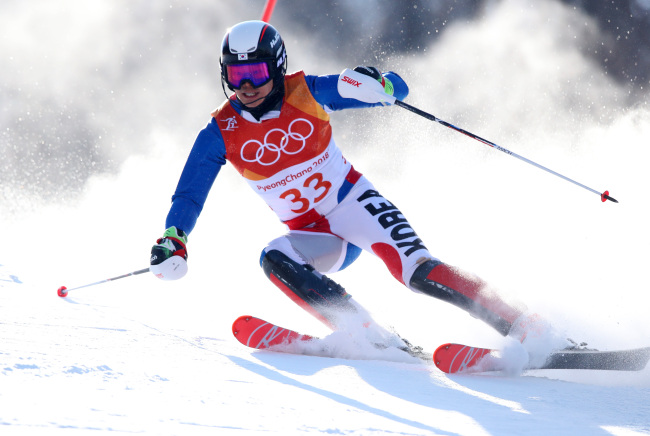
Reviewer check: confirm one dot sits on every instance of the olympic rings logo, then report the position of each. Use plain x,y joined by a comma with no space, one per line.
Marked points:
275,151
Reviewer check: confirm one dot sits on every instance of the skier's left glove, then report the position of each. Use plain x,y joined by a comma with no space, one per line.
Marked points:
376,74
169,256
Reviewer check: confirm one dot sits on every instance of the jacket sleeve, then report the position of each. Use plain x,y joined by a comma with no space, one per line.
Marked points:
324,90
207,157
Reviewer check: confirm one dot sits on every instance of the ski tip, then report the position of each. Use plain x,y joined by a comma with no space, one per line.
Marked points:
605,196
62,291
236,326
443,347
455,358
440,360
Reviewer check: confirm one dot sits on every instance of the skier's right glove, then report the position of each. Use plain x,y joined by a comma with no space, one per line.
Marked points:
366,84
376,74
169,256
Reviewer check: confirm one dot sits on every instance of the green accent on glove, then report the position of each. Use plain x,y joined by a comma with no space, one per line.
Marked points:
388,86
172,243
376,74
173,232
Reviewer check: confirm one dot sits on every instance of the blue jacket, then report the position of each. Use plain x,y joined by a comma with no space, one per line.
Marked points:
208,154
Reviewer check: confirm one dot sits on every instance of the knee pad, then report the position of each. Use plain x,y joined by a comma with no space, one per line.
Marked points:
316,293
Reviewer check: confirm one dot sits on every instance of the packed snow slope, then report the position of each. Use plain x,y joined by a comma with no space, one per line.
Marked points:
138,355
133,358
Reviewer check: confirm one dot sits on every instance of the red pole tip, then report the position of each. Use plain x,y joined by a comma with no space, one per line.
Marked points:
62,291
605,196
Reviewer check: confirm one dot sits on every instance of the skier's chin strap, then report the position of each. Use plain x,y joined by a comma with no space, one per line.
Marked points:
272,101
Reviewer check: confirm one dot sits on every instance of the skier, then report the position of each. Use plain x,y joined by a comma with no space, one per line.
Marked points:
275,130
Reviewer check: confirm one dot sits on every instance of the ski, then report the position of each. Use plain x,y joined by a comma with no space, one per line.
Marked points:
259,334
450,358
453,358
458,358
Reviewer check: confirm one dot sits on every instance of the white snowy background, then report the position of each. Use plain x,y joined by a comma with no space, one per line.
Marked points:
141,356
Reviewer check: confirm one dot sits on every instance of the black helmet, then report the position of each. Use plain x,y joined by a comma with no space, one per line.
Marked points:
253,51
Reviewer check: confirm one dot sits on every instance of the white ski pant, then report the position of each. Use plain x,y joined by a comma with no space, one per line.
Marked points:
362,220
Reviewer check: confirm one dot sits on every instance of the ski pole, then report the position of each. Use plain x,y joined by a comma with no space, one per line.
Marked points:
353,84
268,10
63,291
604,196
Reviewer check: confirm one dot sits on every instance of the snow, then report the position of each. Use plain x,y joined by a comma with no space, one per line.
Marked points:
105,360
142,356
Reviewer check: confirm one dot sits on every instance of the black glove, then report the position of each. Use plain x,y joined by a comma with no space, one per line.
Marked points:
376,74
171,244
169,255
369,71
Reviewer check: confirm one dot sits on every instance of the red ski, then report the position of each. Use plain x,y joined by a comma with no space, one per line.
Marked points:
257,333
452,358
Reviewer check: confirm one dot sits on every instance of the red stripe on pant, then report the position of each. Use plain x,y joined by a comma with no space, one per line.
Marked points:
299,301
475,289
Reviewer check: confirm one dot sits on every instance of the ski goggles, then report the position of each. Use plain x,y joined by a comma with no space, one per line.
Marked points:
256,73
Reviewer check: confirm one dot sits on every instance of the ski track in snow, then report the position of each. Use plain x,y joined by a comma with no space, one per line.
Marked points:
81,364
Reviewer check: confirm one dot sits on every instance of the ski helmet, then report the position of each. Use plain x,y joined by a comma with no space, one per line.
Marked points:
253,51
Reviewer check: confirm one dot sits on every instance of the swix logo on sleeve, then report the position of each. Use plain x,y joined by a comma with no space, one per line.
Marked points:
390,217
352,82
